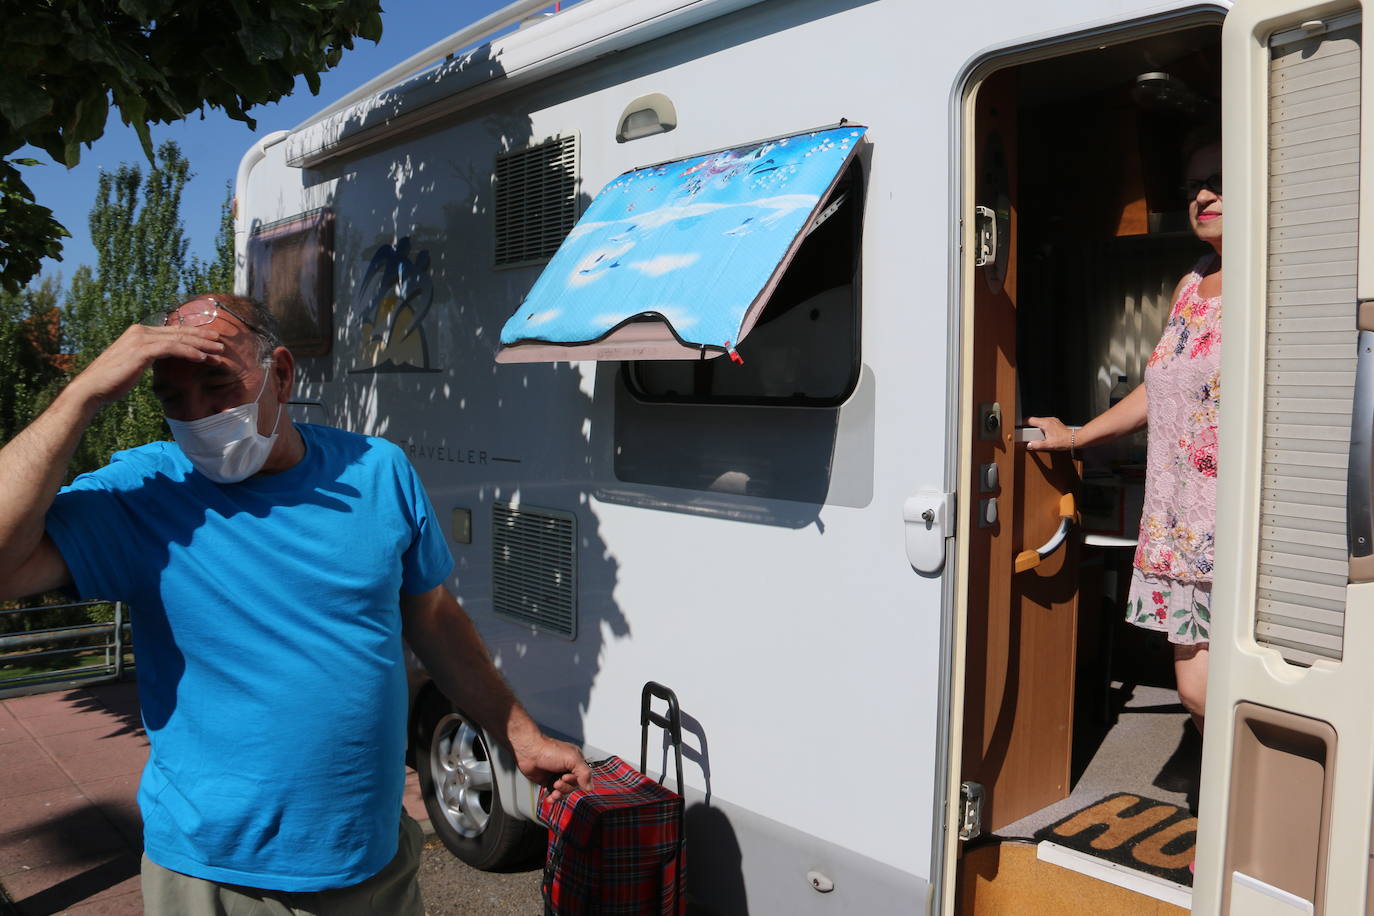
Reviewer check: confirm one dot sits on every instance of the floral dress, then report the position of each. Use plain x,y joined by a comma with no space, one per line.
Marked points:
1171,584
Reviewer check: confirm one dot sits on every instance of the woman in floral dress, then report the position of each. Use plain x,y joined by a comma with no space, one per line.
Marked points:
1171,582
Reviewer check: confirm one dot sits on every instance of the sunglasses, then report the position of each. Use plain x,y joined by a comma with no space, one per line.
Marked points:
202,317
1193,185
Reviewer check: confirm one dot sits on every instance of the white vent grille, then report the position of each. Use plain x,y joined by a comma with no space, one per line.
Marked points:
534,567
1310,353
536,201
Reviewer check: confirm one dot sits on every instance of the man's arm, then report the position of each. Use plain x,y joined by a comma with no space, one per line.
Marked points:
33,462
442,635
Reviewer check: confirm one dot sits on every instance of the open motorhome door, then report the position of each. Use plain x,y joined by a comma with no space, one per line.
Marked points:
1022,596
1288,764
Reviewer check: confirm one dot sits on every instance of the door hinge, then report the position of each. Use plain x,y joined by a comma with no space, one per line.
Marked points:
970,810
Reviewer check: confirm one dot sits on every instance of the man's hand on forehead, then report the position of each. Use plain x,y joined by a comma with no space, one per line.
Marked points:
111,374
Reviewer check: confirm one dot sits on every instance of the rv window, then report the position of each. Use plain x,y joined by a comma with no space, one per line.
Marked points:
291,271
804,350
678,260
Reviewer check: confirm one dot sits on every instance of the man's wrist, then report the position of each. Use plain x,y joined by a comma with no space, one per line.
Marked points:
75,404
522,732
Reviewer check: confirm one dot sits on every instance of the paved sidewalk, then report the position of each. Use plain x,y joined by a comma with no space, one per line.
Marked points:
70,833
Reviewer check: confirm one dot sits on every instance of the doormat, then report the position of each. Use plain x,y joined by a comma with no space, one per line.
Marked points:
1131,830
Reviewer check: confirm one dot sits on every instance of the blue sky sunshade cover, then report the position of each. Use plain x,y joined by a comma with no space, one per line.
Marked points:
693,243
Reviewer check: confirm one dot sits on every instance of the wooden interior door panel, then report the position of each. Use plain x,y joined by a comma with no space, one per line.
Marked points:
1019,665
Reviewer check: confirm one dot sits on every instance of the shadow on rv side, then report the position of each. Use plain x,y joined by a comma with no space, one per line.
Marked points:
418,308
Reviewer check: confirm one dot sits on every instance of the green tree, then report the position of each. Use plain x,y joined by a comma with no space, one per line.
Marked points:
32,369
31,352
217,274
64,63
28,231
140,248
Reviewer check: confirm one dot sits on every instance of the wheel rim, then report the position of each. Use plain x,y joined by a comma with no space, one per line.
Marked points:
461,767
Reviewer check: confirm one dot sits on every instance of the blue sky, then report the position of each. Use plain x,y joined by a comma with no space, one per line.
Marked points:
214,145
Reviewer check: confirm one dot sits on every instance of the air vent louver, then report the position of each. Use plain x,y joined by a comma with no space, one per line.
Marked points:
536,201
534,567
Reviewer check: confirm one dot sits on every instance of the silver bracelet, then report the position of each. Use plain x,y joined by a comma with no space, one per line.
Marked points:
1073,441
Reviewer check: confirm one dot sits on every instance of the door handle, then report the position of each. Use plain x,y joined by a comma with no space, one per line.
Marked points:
1068,514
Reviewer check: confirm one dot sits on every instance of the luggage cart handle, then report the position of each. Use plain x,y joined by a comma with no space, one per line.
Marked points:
672,723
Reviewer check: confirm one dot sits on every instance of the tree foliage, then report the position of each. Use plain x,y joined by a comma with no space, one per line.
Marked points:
64,63
141,269
31,353
218,272
140,245
28,231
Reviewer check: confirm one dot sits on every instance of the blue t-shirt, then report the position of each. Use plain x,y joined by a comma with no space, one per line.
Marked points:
268,630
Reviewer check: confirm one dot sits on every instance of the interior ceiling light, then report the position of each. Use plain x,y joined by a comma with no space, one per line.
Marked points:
1160,92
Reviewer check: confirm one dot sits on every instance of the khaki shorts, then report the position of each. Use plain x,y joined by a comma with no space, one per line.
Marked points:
393,891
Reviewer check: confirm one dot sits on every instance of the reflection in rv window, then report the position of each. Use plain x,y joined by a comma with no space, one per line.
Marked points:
291,271
804,351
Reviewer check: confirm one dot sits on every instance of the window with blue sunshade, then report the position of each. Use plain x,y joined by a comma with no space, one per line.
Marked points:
688,261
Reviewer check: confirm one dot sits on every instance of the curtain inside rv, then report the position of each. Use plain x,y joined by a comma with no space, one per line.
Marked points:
676,261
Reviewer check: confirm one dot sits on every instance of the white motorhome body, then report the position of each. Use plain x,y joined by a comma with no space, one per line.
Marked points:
773,562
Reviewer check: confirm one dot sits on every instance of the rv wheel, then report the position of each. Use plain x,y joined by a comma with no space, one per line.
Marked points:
459,789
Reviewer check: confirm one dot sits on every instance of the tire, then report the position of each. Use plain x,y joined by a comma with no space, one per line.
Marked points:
461,795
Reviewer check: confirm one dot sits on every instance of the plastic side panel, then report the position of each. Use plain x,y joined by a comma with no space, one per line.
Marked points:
746,863
1256,898
1242,670
742,862
1280,802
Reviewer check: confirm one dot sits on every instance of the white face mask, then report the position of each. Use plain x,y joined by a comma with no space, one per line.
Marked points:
226,446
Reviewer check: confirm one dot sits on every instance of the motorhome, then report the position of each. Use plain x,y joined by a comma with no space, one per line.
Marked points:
712,327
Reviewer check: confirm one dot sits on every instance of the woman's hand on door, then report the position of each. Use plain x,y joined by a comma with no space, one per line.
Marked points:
1058,437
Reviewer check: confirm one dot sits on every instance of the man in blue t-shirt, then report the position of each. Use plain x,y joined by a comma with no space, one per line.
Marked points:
273,569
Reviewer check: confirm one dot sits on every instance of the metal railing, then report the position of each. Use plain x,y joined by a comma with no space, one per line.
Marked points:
96,651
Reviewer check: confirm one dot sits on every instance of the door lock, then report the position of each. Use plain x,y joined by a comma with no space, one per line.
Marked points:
989,420
929,520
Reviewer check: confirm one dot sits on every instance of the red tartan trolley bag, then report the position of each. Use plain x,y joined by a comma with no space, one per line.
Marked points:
619,849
